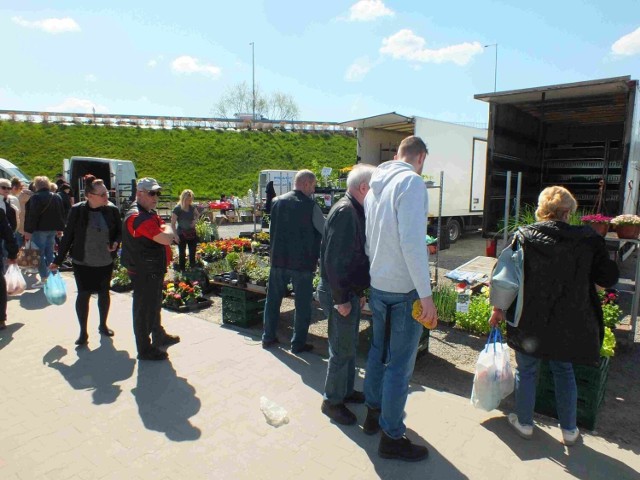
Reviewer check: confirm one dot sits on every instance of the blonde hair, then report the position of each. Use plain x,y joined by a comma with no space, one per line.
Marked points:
183,198
41,182
555,203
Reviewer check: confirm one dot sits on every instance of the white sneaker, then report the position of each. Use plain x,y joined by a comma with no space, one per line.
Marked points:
570,437
39,284
525,431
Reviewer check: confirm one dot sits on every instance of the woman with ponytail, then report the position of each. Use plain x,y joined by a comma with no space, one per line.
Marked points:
92,237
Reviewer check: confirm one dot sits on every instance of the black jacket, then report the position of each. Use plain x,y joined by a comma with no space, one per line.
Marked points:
343,261
141,255
73,238
6,233
11,215
295,242
561,315
44,212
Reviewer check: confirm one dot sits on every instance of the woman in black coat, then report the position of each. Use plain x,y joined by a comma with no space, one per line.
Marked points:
6,234
561,319
92,236
271,194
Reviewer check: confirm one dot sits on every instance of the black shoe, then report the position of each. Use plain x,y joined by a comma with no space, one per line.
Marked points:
338,413
401,449
153,354
82,339
354,397
270,343
166,340
307,347
371,424
106,331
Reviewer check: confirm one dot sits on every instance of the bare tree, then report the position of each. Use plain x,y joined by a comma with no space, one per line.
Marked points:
238,99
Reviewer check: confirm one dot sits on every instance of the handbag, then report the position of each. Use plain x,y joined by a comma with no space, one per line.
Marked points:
189,234
493,379
29,257
55,289
507,278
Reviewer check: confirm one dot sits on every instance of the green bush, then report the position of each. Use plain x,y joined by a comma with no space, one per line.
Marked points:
476,320
208,162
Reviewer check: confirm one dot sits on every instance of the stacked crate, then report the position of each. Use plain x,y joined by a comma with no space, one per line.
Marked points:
241,307
591,383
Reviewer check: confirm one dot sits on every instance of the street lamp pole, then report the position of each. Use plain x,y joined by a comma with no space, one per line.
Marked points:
253,78
495,72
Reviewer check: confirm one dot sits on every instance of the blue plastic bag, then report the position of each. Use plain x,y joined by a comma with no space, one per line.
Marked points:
55,289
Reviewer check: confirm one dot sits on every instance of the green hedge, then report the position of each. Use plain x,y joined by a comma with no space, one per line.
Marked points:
210,162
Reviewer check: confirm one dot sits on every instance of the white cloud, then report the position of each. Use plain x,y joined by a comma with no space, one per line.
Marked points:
152,63
358,69
50,25
188,65
368,10
628,44
77,105
90,77
408,46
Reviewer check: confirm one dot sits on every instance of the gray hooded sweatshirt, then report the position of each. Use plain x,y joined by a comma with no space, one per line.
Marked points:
396,210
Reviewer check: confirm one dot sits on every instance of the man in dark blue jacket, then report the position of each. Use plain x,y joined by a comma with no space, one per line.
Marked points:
296,229
344,271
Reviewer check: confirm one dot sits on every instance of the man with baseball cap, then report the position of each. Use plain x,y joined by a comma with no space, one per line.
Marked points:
146,253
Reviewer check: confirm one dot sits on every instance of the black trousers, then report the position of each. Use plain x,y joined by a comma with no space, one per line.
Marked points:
147,305
3,295
182,251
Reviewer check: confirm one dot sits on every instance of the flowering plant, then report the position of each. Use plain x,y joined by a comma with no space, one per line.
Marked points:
209,251
596,218
233,245
626,220
181,293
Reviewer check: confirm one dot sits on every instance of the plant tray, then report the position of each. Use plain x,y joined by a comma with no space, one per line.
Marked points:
241,294
202,303
242,318
591,383
121,288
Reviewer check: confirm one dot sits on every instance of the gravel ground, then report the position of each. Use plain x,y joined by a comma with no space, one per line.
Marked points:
450,361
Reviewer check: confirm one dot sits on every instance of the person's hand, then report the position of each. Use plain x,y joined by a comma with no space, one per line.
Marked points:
27,236
343,309
12,261
53,267
59,233
113,247
363,300
497,317
429,315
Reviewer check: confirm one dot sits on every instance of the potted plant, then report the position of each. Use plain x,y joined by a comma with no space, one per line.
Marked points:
627,226
183,296
599,222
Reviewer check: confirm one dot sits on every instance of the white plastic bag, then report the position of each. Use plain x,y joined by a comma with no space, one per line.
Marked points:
16,283
273,413
494,379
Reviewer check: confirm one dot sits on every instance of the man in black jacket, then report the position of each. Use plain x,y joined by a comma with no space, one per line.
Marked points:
344,271
44,219
296,229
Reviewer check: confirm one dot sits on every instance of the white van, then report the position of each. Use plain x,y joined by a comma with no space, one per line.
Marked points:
9,170
282,181
119,177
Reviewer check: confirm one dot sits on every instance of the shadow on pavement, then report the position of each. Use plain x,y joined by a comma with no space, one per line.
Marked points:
97,370
580,461
166,401
6,335
33,300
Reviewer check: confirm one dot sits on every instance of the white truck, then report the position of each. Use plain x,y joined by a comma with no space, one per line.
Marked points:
119,177
457,150
282,181
8,170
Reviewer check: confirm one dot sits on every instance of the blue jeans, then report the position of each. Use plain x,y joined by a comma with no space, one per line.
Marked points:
565,386
303,288
44,241
391,357
343,343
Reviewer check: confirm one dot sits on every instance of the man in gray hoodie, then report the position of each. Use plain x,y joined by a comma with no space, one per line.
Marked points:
396,210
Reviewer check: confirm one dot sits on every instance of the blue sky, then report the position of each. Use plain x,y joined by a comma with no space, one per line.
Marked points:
340,60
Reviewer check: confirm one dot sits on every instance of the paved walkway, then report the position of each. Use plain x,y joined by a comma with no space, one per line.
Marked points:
98,413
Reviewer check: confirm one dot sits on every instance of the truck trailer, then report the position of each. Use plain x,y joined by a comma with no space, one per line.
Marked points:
457,150
584,136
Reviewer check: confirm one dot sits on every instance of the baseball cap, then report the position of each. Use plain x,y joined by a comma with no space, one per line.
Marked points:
148,184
